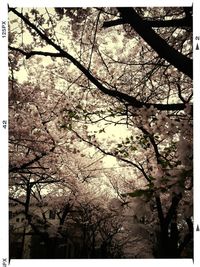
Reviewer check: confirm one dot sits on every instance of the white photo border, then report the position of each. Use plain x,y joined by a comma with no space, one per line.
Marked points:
4,244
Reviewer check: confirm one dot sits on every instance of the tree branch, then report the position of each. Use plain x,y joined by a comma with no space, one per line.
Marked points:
17,200
33,53
178,60
175,200
25,165
160,211
112,23
184,22
113,155
187,237
122,97
151,138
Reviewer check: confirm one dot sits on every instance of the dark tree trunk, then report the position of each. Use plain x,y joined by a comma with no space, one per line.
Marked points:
168,237
178,60
167,246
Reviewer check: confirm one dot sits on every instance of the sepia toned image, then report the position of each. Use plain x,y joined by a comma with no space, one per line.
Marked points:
100,133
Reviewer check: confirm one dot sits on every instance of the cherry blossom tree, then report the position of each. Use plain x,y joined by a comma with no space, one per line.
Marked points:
89,70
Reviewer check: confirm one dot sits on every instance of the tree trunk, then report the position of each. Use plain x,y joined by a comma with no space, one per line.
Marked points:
177,59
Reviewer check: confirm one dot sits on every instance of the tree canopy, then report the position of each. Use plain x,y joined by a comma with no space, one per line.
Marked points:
87,85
